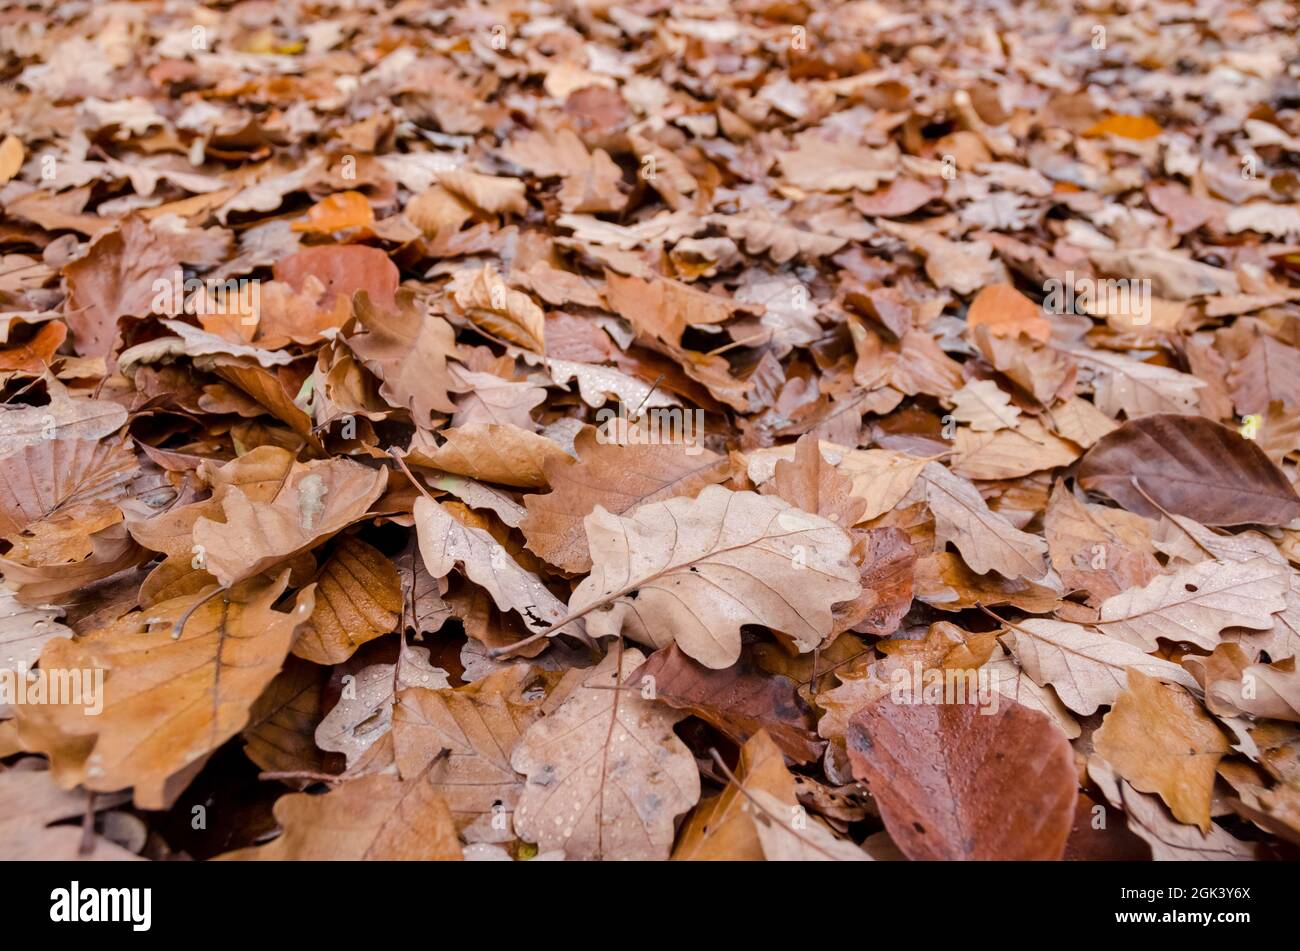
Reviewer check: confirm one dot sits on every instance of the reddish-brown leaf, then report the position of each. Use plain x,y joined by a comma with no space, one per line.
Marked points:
739,700
1190,466
956,782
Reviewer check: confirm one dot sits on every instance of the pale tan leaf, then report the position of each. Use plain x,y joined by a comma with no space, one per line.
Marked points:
503,312
606,776
1197,602
491,193
1079,421
491,452
408,351
723,827
315,501
477,726
881,477
986,540
819,165
446,542
1010,453
1087,669
693,571
984,407
787,834
1136,388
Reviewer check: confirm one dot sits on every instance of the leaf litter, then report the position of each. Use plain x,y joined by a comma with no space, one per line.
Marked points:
820,431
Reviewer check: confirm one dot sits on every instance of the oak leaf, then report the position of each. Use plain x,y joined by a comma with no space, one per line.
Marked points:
358,598
616,477
692,571
725,827
986,540
741,700
1086,668
168,702
375,818
315,501
1160,740
408,351
605,774
461,741
1197,602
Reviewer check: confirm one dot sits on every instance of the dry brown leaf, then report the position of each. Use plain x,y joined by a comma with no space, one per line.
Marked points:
378,818
692,571
492,452
605,775
503,312
446,541
986,540
358,598
1197,602
315,501
984,407
1087,669
408,351
460,740
1010,453
724,828
616,477
168,702
1159,739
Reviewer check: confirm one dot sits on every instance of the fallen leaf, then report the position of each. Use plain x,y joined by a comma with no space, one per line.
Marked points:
619,478
741,700
408,351
1008,313
169,702
459,741
358,598
378,818
1189,466
725,827
1198,602
702,567
605,774
1159,739
953,782
315,501
1087,669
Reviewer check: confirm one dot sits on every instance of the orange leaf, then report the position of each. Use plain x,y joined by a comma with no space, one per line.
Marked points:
1126,127
1008,313
37,352
337,213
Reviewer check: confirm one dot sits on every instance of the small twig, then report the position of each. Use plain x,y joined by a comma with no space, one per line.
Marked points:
302,774
739,343
414,481
88,826
636,413
836,666
1167,514
1003,621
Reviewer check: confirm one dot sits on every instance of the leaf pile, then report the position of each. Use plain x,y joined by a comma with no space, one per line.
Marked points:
514,431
